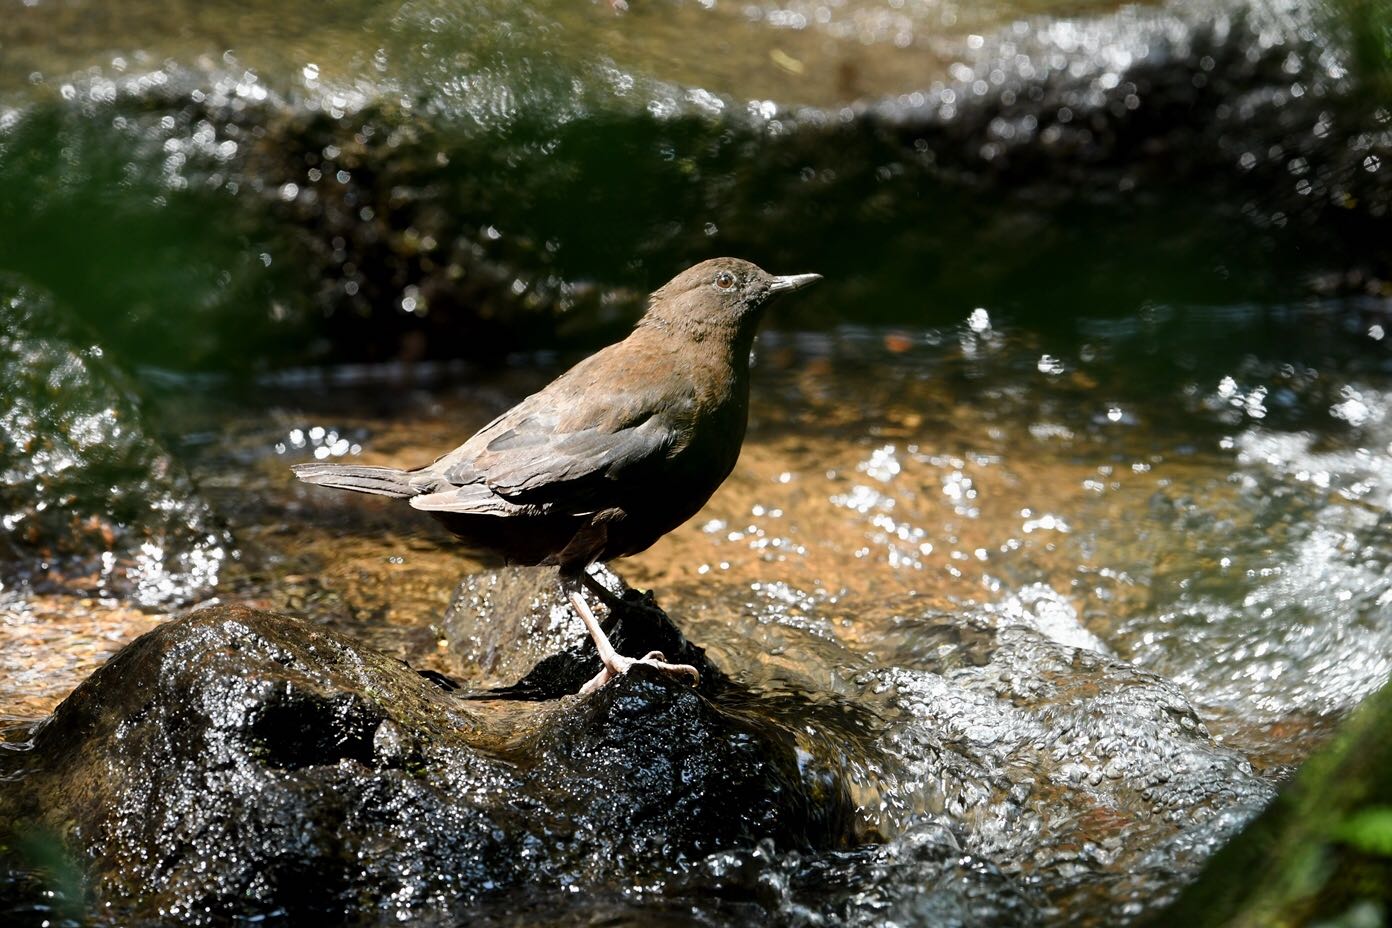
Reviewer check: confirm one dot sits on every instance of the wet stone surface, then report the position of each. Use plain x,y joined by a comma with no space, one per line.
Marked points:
515,633
239,761
90,501
231,755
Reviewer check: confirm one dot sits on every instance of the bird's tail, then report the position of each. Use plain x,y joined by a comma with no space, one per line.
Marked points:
383,481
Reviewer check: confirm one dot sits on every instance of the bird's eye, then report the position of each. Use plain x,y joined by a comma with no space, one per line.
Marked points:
724,280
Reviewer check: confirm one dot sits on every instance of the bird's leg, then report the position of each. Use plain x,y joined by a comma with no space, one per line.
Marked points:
617,603
613,600
615,664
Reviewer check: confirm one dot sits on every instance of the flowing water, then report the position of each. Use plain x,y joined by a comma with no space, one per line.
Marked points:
817,54
1207,507
1060,610
1059,589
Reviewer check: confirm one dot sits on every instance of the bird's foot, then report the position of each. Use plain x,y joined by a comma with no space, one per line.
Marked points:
622,665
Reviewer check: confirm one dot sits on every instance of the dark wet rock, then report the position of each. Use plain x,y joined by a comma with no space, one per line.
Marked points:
515,628
89,499
1322,853
995,765
243,762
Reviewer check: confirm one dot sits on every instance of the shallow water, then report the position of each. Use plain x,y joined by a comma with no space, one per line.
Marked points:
1207,507
1059,591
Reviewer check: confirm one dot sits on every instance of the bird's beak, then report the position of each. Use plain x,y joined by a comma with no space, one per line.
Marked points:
793,282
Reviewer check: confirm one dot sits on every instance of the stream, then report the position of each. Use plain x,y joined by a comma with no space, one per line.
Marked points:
1059,540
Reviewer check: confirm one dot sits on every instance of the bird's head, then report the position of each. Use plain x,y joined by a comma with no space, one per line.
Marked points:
722,295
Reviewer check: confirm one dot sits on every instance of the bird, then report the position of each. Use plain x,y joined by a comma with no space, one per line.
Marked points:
611,455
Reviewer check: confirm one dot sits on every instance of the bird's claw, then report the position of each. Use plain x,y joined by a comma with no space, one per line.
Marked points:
654,659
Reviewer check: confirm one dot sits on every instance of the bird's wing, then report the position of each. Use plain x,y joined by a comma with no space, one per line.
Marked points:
533,460
565,451
567,446
476,499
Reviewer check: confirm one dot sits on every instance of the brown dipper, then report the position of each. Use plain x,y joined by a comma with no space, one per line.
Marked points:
610,456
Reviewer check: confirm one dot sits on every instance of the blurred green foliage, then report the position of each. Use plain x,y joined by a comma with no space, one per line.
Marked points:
161,270
1369,28
1369,830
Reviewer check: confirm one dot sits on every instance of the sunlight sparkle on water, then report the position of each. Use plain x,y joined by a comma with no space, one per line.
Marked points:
322,442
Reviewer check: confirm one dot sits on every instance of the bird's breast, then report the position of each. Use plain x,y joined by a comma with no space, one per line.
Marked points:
708,445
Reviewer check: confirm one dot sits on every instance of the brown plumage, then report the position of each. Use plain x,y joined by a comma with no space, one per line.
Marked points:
613,454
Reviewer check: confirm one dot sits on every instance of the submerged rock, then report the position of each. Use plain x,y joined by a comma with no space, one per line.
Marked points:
1082,788
507,195
240,763
1073,770
89,499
